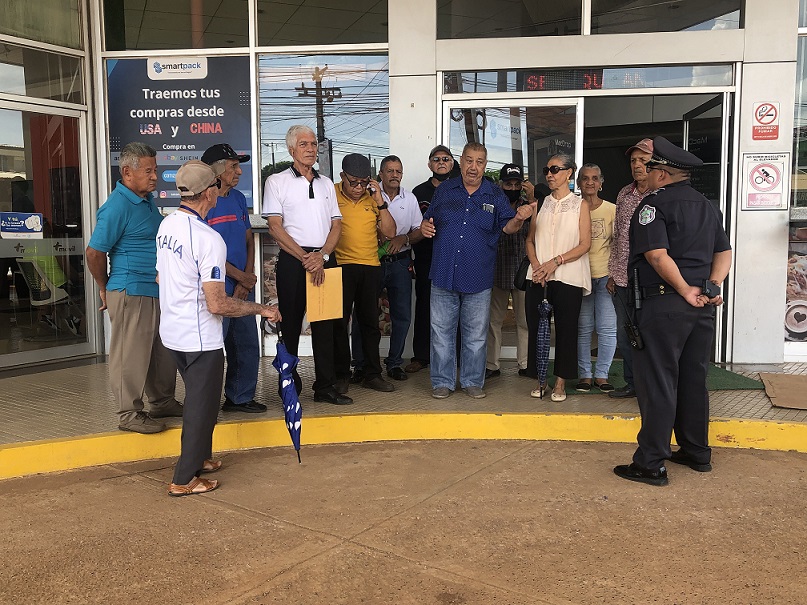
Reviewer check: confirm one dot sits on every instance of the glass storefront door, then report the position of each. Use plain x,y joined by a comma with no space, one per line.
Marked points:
527,134
43,312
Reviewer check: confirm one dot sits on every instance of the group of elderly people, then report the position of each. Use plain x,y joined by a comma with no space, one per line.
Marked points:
470,225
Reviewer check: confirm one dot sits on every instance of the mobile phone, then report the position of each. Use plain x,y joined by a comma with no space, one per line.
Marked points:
710,289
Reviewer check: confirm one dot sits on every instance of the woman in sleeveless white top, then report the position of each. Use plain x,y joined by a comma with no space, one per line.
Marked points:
557,246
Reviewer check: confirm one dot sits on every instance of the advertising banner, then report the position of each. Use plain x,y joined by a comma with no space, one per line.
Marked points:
180,106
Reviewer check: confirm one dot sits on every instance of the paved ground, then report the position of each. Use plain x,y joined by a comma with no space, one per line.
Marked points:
444,523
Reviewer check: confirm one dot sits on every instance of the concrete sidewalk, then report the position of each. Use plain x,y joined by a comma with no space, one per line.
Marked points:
444,523
65,418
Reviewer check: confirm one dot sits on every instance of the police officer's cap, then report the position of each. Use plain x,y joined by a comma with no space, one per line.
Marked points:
667,154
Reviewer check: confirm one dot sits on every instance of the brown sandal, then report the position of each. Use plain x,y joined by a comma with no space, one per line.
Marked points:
197,486
211,466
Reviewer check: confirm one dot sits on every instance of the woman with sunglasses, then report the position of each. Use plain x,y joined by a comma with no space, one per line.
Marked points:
557,246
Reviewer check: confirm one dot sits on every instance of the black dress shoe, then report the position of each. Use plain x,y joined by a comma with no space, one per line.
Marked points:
681,457
331,396
492,374
357,377
523,372
623,392
250,407
378,384
397,374
633,472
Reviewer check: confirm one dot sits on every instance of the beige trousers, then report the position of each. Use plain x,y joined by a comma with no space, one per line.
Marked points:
499,300
138,361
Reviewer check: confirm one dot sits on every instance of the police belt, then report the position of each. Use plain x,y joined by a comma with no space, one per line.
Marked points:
391,258
657,290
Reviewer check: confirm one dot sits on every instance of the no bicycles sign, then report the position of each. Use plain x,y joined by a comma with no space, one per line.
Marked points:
766,182
766,122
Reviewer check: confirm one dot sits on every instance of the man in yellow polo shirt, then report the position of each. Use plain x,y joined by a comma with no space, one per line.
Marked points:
364,214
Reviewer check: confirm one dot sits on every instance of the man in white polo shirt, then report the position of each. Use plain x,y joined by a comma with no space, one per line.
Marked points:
191,266
303,215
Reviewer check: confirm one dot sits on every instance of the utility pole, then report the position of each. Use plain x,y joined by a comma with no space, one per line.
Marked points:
321,95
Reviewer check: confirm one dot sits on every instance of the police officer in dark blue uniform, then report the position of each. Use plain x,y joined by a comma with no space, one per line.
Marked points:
681,254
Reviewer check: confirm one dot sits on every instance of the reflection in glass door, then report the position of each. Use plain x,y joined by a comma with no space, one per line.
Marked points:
525,135
42,294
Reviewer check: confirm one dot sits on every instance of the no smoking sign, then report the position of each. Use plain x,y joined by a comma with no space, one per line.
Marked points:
766,122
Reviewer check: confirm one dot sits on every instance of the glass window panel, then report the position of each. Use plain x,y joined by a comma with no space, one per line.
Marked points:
307,22
343,98
802,13
26,20
44,75
595,78
639,16
42,278
463,19
141,25
527,136
799,181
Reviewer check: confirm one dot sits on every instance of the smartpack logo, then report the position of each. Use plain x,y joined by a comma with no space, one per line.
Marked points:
177,68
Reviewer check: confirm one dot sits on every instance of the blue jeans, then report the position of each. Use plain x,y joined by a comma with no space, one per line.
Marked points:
622,340
472,313
243,356
597,312
397,279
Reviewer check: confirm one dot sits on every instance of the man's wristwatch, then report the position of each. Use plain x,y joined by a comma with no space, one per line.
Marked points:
383,206
325,257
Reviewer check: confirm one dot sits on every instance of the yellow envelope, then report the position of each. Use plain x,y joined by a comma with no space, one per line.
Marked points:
324,301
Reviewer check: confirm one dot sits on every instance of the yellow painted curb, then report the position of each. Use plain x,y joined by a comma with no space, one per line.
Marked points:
28,458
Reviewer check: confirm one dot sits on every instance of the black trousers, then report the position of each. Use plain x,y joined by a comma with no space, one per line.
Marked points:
360,286
670,379
566,301
291,284
203,375
421,335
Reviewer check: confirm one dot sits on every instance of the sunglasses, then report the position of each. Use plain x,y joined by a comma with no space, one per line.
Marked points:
216,183
353,184
554,169
445,159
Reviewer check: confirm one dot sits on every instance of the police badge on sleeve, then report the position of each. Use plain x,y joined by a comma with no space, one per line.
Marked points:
647,215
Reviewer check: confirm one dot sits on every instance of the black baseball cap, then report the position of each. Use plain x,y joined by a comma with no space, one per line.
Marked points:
510,172
222,151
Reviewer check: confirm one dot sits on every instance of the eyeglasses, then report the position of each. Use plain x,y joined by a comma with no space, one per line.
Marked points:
445,159
554,169
648,167
216,183
353,184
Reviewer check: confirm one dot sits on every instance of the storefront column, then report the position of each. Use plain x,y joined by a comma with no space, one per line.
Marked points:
761,236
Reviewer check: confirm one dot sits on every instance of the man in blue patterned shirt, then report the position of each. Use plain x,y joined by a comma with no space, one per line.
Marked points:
466,217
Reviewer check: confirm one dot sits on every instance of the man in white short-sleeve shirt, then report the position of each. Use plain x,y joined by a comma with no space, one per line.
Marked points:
303,215
191,265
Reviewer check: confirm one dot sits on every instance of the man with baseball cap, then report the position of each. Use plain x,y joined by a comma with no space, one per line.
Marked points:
364,214
191,269
626,203
230,219
441,164
508,256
